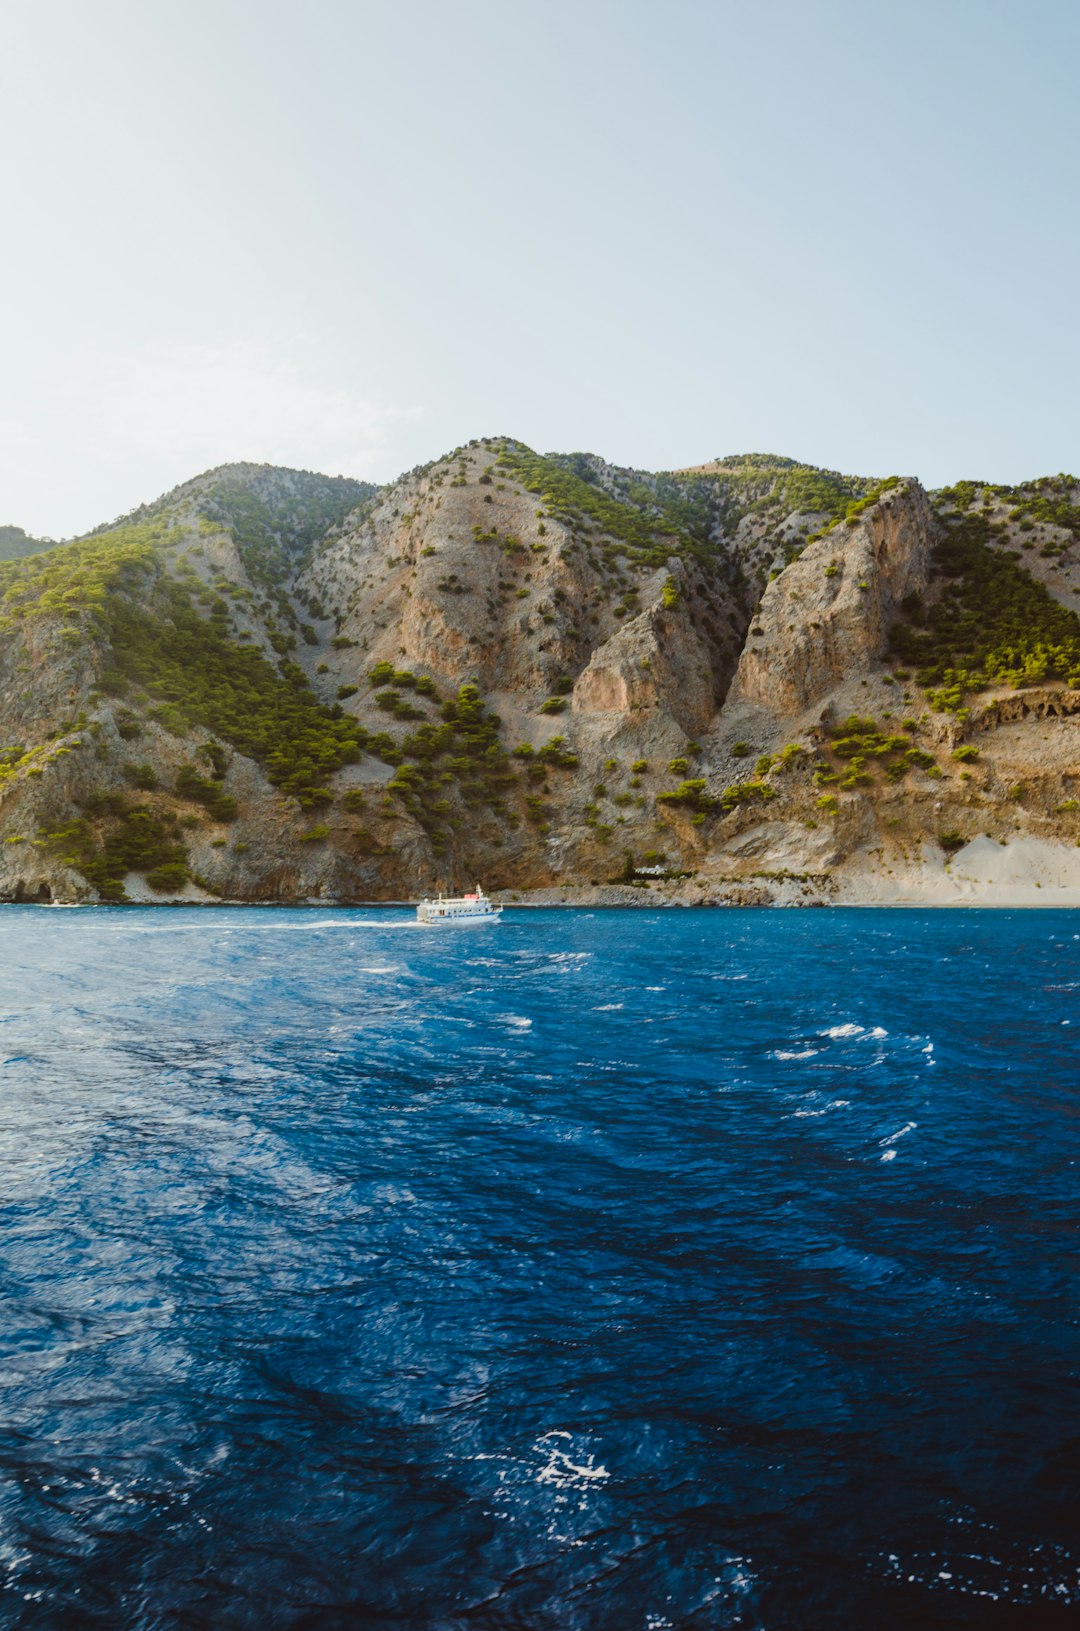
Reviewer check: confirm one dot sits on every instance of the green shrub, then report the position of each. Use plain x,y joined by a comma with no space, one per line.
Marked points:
201,790
745,793
691,795
860,741
143,777
556,753
169,877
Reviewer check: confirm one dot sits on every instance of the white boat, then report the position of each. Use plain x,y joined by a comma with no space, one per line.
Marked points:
463,909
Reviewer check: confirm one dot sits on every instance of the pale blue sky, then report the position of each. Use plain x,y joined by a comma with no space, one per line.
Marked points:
350,236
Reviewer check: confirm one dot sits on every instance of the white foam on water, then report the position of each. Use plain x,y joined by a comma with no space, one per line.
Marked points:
843,1030
890,1155
608,1008
817,1107
805,1053
908,1127
566,1469
517,1022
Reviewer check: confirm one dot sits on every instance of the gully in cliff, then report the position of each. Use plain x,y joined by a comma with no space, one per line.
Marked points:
463,909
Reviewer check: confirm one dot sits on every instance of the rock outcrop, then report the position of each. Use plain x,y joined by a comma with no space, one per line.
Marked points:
826,618
664,659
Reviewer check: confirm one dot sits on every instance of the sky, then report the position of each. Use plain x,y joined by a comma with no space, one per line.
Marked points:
349,235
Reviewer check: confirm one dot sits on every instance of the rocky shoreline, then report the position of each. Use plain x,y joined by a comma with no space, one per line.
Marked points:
985,873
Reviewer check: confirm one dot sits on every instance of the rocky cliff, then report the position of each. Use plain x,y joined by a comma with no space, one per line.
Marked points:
744,681
828,618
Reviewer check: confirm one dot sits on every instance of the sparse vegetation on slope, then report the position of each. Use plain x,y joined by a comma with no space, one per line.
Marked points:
462,752
1052,500
586,508
856,508
276,527
991,623
190,669
195,674
132,839
765,481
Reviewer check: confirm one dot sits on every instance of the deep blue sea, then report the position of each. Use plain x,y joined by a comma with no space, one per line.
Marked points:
629,1270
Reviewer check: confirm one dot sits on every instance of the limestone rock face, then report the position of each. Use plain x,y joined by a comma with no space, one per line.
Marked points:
827,616
657,661
469,580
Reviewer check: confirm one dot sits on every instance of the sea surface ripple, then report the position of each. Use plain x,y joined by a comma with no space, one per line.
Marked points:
598,1270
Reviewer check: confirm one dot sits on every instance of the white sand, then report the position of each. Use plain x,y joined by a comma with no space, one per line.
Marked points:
1023,872
137,889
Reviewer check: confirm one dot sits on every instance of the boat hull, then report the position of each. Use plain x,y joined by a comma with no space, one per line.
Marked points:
463,920
463,910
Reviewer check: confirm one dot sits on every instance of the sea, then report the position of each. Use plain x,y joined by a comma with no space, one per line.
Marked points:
613,1269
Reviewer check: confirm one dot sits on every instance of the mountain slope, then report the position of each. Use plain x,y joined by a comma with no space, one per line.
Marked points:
15,543
765,680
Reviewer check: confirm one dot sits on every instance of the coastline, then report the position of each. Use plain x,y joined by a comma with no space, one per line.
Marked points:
1018,874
